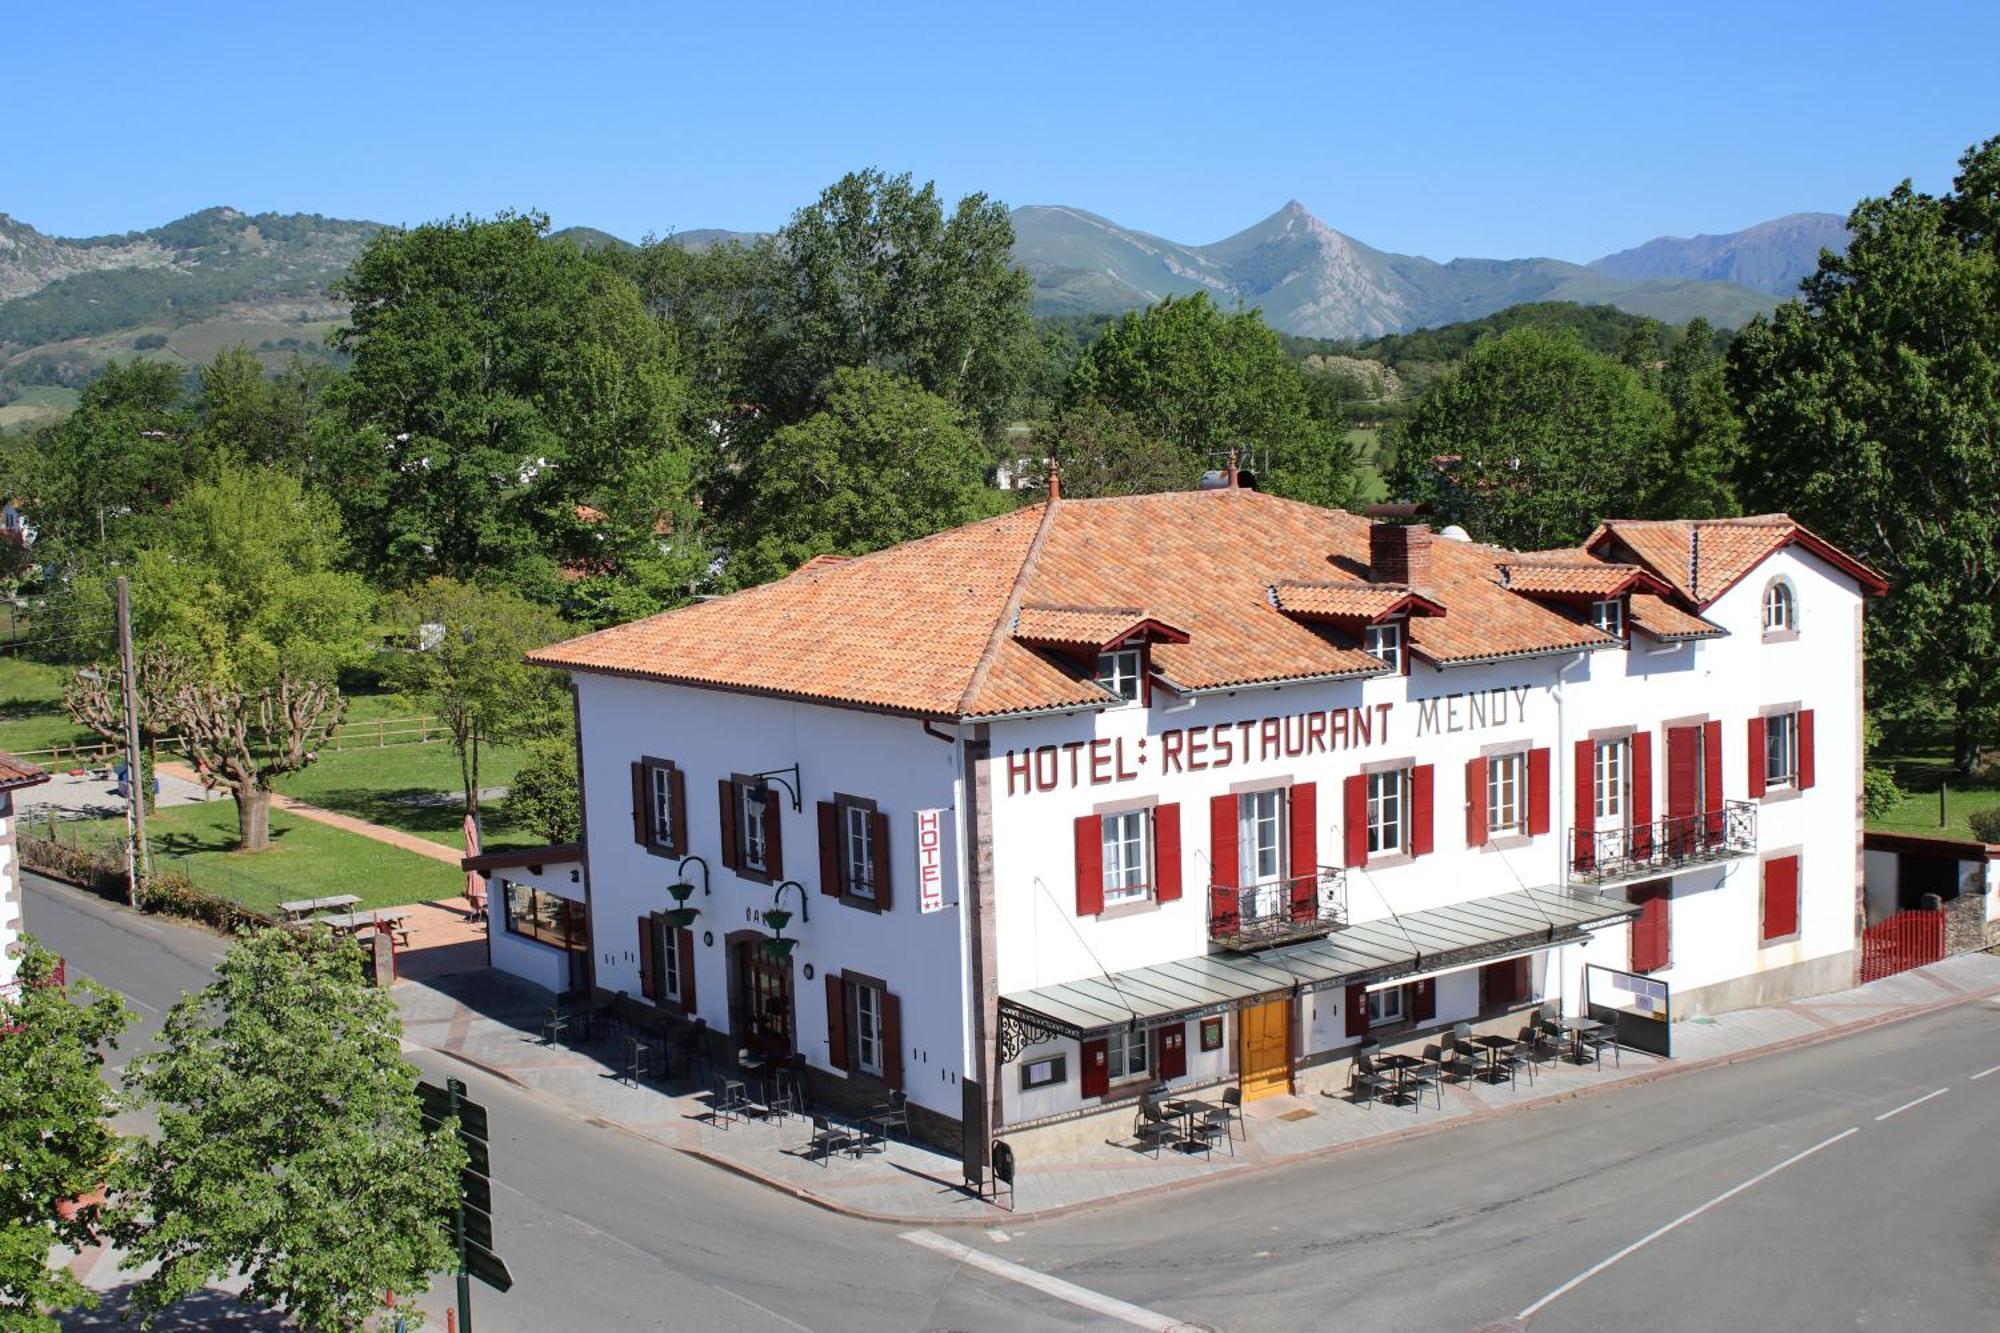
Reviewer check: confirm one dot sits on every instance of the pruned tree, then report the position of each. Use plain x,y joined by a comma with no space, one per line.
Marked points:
246,738
94,697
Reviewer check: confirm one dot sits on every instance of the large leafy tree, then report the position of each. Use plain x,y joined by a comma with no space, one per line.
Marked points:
461,659
1531,439
515,413
1194,383
1705,441
1871,411
98,481
290,1146
56,1145
248,416
883,462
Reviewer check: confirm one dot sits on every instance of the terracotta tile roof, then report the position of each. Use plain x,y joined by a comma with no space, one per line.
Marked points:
1592,578
948,626
1663,620
19,773
1703,558
821,562
1349,600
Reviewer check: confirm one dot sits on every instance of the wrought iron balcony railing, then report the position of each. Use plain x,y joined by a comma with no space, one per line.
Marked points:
1663,846
1279,911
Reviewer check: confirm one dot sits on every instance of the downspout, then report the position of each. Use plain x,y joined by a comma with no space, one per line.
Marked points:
1563,764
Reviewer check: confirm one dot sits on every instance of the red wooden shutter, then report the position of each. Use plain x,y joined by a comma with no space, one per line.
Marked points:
1170,1051
892,1040
1355,999
677,808
1756,757
1538,791
1683,770
641,825
829,849
1642,792
725,794
1089,865
1475,803
1805,778
1585,812
1422,779
1304,835
1354,815
1523,981
646,986
1711,782
774,838
878,837
684,941
1223,859
836,1021
1781,897
1167,853
1424,1000
1651,928
1096,1070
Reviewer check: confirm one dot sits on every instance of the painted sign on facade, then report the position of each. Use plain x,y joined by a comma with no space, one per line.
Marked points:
930,860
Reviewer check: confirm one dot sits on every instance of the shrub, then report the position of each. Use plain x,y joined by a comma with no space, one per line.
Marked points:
147,342
1879,793
1985,824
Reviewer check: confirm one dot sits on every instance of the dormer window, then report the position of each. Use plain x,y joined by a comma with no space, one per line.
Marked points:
1609,616
1120,671
1386,643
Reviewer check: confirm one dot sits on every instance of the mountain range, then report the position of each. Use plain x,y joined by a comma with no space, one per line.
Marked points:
221,275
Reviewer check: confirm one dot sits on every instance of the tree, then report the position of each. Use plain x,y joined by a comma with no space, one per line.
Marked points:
543,798
1705,441
248,416
56,1144
1202,383
1103,451
98,480
290,1146
883,462
1531,439
1871,412
514,413
461,658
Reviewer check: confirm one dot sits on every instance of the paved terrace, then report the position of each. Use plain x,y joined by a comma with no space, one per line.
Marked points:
493,1021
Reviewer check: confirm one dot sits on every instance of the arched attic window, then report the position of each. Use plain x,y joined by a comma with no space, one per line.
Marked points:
1781,608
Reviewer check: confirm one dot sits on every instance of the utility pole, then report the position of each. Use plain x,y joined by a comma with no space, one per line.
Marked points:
138,863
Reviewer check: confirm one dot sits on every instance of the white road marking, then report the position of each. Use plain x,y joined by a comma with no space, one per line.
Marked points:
1918,1102
1095,1302
1984,1072
1688,1216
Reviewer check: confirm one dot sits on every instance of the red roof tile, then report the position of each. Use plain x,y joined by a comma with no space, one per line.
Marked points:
1663,620
19,773
1703,558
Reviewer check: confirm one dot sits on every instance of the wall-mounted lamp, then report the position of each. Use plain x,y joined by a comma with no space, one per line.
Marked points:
760,792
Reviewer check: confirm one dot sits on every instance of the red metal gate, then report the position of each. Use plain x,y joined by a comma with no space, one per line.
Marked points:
1901,942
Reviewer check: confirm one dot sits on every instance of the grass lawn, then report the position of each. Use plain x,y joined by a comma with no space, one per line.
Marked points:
31,712
305,860
390,785
1919,754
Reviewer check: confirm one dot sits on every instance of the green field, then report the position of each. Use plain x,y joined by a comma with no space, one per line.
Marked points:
31,714
37,403
305,860
385,786
1919,754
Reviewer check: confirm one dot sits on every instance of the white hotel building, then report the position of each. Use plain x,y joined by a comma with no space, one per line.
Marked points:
1210,787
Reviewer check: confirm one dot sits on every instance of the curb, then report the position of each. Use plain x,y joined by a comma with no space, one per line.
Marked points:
996,1213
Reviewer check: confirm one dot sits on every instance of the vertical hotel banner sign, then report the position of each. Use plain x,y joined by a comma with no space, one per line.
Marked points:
930,860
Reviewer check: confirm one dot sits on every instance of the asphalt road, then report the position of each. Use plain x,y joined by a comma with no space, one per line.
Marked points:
1810,1190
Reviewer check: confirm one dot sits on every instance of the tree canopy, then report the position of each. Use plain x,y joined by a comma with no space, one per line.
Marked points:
1871,412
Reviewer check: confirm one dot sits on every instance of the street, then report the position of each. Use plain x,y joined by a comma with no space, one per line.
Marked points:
1843,1185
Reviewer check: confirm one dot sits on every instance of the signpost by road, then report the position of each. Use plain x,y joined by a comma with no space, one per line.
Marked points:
472,1216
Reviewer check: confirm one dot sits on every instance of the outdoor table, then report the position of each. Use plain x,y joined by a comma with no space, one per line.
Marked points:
300,907
1578,1029
353,923
1190,1111
1494,1044
1399,1064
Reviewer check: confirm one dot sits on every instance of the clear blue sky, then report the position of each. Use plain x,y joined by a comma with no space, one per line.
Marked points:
1494,129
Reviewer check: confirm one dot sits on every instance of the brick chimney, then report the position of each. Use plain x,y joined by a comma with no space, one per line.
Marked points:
1400,553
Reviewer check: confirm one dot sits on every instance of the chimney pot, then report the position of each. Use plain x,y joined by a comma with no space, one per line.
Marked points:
1400,553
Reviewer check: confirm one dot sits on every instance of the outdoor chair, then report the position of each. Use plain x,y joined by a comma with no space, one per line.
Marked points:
1422,1076
1595,1042
1512,1060
1455,1060
1213,1125
731,1102
788,1093
828,1139
1530,1043
891,1115
1154,1130
1364,1077
638,1059
1232,1102
554,1023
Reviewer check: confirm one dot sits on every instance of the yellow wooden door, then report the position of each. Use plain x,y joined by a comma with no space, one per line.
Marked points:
1265,1049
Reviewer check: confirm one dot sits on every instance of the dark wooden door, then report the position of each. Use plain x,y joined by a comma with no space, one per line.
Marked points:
764,1000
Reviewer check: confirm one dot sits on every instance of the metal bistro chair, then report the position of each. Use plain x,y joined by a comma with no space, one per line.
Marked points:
891,1115
1232,1102
638,1059
1154,1129
1457,1060
554,1023
1421,1076
731,1102
1595,1042
788,1095
1213,1125
828,1139
1363,1076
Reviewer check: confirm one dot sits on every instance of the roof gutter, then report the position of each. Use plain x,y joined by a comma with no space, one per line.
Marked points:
1206,691
1564,651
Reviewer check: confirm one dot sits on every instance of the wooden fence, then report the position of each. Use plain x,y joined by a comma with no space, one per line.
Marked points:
378,734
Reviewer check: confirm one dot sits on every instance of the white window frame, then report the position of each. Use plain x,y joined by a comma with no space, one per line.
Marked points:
1259,813
1386,1006
857,850
1128,1054
669,962
868,1028
752,844
1781,741
1389,811
1611,776
1128,855
1121,671
1507,794
1608,615
1782,601
660,786
1385,642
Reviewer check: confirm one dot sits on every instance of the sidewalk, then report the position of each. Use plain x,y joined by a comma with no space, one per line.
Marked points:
492,1021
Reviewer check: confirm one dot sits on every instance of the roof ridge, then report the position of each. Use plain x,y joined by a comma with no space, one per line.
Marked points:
1010,612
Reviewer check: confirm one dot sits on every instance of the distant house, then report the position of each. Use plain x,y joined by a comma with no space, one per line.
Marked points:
15,774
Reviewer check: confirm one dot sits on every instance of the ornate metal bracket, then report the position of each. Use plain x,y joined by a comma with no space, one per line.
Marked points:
1017,1032
778,899
792,787
682,870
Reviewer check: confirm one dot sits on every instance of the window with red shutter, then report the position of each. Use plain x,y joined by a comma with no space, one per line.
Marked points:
1422,784
1224,864
646,986
1538,791
892,1040
1096,1073
1805,775
684,942
1089,865
1302,805
1755,759
1642,792
1475,803
829,849
1683,770
1652,928
1167,853
1584,806
1781,898
1354,818
836,1020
